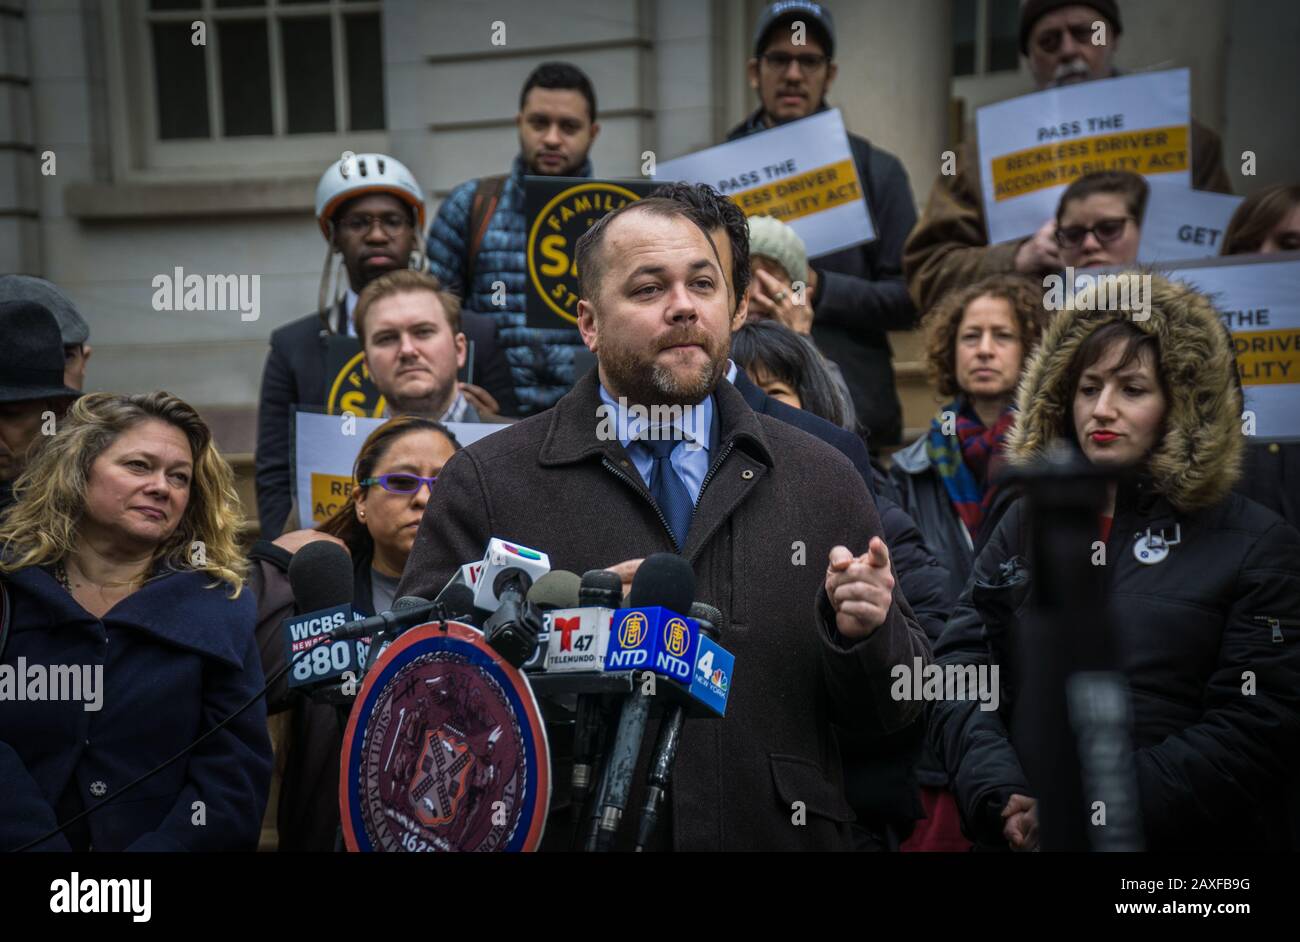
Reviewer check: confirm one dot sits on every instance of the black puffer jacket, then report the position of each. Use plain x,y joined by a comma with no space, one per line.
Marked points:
1213,763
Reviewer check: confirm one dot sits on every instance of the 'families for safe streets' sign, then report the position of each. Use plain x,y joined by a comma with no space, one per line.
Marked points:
1034,146
559,210
801,173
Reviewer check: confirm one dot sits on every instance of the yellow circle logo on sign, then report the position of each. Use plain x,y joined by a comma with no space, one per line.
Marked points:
676,636
632,630
352,391
552,264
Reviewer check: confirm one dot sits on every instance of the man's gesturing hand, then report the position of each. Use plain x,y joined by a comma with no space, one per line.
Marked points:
860,588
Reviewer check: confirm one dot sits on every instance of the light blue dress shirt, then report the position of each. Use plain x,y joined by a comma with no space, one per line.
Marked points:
690,459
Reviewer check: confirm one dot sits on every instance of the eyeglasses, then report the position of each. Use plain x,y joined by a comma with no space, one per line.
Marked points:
808,61
1106,231
401,483
392,223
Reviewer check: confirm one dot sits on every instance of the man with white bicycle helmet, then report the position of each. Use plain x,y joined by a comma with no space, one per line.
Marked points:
371,212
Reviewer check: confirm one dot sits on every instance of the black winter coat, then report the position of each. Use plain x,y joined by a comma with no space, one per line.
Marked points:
1211,762
1207,638
861,293
175,657
551,483
880,777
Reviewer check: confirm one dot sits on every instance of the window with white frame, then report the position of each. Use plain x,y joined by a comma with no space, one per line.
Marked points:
267,67
985,36
276,82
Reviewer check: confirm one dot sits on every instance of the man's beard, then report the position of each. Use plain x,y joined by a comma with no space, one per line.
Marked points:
431,406
643,381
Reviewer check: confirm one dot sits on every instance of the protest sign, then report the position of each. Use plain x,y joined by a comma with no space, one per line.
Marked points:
1256,297
325,450
801,173
558,211
1032,147
1184,224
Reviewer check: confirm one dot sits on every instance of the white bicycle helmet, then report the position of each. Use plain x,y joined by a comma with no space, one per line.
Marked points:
358,174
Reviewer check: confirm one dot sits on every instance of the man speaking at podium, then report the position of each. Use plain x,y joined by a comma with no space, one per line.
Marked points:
770,518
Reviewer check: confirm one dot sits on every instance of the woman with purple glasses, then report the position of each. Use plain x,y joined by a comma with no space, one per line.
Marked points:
393,477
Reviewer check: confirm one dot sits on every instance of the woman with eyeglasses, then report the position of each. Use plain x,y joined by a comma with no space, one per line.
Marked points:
1099,219
394,474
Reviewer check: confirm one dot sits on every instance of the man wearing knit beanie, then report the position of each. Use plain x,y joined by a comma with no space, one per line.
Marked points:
1063,43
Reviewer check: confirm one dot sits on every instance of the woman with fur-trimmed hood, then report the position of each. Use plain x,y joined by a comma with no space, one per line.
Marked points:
1196,626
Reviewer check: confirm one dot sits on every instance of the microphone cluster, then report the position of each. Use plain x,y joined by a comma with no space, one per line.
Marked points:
570,636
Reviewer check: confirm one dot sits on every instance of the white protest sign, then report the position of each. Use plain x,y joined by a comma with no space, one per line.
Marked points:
1257,299
1032,147
326,450
801,173
1180,224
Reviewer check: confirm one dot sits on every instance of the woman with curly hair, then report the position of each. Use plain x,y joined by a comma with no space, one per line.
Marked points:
977,341
121,565
1152,403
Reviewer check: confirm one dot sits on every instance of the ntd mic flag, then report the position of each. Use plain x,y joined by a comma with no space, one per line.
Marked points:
655,639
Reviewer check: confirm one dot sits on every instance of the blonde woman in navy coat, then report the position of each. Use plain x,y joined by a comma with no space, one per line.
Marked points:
120,562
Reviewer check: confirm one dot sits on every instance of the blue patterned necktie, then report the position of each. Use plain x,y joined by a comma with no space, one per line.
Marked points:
668,489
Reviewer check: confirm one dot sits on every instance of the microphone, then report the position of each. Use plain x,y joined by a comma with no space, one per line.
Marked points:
664,581
321,577
407,612
458,600
558,589
598,589
513,629
670,734
503,557
403,610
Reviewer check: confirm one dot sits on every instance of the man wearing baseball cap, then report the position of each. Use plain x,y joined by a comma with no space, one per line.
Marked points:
949,247
32,390
72,326
858,293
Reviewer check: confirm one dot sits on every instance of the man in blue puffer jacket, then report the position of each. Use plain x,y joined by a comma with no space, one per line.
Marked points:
480,234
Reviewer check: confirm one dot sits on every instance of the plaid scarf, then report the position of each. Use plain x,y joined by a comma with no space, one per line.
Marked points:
968,459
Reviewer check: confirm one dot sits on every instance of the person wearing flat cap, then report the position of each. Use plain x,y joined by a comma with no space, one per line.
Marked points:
32,387
73,329
949,247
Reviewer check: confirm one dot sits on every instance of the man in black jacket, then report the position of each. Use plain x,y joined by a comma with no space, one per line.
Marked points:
857,293
371,211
